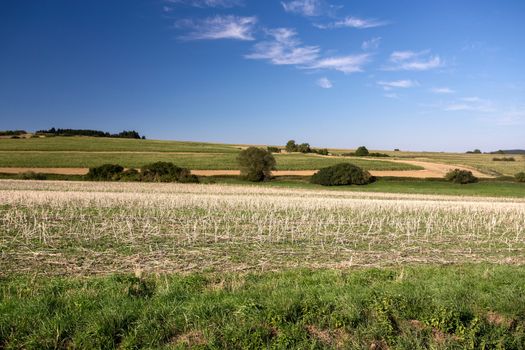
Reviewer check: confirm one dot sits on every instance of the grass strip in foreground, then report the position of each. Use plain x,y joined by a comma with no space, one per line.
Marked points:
467,306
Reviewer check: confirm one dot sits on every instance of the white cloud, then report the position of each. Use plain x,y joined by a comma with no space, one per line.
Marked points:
346,64
442,90
353,22
307,8
471,99
207,3
391,95
284,49
359,23
413,61
515,116
371,44
472,104
219,27
324,83
403,84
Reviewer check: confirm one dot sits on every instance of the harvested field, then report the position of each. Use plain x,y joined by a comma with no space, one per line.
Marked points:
99,228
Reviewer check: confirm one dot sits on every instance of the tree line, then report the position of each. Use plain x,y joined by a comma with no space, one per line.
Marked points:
131,134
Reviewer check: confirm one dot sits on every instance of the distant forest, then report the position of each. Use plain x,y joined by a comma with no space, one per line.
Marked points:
132,134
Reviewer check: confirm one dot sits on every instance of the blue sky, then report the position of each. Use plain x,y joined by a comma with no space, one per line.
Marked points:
409,74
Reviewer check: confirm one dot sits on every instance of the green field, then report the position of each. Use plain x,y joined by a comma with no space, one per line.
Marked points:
487,188
460,307
84,152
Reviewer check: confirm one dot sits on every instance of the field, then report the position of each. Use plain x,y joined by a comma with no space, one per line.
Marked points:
481,162
85,152
398,264
166,265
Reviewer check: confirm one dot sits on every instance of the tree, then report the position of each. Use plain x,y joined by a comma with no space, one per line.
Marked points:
304,148
291,146
361,151
256,164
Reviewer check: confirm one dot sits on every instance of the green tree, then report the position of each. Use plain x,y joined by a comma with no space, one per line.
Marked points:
361,151
256,164
304,148
291,146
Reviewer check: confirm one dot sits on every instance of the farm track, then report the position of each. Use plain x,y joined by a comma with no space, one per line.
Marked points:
430,170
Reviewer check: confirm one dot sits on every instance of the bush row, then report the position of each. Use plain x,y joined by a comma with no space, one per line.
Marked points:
154,172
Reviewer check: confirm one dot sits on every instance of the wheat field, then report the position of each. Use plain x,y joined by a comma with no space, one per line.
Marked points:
84,228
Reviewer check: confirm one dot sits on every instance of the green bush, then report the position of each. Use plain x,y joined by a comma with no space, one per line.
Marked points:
461,176
321,151
256,164
31,175
166,172
520,177
130,175
106,172
273,149
504,159
291,146
361,151
342,174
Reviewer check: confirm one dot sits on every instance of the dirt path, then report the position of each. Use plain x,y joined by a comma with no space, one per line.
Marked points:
430,170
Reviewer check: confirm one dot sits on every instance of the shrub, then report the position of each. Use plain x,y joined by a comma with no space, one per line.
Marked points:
461,176
321,151
130,175
361,151
520,177
504,159
166,172
256,164
342,174
31,175
291,146
273,149
106,172
375,154
397,150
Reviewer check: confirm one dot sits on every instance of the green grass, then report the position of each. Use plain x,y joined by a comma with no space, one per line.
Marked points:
101,144
487,188
196,161
469,306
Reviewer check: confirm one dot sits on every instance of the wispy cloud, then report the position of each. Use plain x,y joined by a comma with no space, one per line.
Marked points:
218,27
442,90
324,83
515,116
307,8
284,49
391,95
346,64
413,61
472,104
353,22
371,44
207,3
403,84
